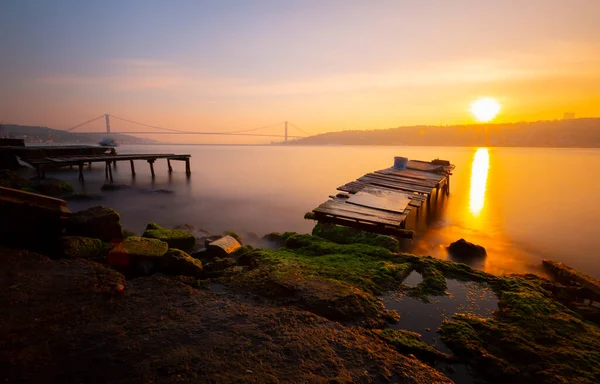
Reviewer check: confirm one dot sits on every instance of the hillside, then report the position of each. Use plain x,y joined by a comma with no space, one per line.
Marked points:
582,133
35,134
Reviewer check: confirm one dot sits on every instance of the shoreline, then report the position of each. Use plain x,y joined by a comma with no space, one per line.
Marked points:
328,284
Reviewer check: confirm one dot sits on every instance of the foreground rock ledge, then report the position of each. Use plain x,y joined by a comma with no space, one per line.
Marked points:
65,321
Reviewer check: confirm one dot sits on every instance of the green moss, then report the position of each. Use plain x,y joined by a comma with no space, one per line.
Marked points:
532,336
177,262
82,197
81,247
30,189
127,233
139,246
407,342
175,238
65,187
234,235
345,235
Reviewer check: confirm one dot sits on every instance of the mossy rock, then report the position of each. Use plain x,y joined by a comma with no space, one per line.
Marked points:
53,187
138,253
532,338
98,222
81,247
175,238
407,342
344,235
177,262
237,237
127,233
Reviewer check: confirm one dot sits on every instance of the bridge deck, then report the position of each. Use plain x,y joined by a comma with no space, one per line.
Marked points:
43,163
381,201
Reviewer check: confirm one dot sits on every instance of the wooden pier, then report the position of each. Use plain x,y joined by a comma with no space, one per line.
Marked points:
43,163
385,201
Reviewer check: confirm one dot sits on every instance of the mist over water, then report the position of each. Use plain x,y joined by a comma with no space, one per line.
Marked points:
521,204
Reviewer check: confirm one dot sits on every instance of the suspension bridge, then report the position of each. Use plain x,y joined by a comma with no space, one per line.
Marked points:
286,125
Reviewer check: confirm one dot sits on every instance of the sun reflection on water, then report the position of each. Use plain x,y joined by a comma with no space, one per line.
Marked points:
479,175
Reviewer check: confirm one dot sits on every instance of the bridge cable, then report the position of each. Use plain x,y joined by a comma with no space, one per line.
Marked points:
300,129
182,131
84,123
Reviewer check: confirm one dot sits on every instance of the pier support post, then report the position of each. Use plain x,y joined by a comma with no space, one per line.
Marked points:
132,168
108,171
187,167
169,164
151,162
115,164
81,172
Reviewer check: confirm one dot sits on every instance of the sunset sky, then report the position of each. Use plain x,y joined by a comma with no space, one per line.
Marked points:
323,65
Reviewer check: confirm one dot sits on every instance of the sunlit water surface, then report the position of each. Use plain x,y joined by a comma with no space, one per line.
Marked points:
522,205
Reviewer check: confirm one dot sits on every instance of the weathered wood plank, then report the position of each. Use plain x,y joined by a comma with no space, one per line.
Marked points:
356,186
395,185
349,211
564,271
380,229
406,180
411,173
381,199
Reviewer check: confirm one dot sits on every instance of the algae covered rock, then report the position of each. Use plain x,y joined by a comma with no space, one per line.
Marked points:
345,235
175,238
98,222
81,247
407,342
464,249
177,262
138,253
52,187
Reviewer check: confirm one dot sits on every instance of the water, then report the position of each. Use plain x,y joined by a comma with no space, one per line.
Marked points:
521,204
426,318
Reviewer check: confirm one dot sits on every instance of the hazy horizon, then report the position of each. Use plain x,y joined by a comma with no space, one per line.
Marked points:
325,66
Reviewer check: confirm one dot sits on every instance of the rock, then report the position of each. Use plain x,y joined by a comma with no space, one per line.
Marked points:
81,247
223,247
138,254
427,329
82,197
177,262
52,187
272,241
175,238
234,235
157,191
450,369
344,235
99,222
219,264
464,249
114,187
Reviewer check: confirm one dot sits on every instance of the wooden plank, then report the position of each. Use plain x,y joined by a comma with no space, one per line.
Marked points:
356,186
380,229
565,272
395,185
414,174
349,211
382,199
406,180
16,195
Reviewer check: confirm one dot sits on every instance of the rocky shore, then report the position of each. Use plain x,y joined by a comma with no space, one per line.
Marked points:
95,303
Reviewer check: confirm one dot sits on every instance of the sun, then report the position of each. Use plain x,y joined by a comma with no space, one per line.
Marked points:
485,109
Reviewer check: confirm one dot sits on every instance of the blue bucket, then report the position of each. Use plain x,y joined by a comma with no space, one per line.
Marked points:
400,162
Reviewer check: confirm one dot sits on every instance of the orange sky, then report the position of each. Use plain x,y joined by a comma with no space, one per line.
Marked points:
325,66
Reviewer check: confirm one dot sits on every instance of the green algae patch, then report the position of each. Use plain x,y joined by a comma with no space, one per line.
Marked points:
532,338
81,247
407,342
135,250
175,238
177,262
345,235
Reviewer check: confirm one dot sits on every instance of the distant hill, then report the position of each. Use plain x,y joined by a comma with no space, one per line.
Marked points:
34,134
581,133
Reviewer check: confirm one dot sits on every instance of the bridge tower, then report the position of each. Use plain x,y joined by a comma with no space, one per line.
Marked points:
107,123
286,131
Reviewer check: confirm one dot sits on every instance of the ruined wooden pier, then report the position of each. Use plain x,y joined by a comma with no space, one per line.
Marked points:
43,163
390,201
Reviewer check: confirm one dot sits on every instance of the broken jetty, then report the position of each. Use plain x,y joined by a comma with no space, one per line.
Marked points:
391,201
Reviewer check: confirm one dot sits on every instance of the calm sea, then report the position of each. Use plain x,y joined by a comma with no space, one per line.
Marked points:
522,205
